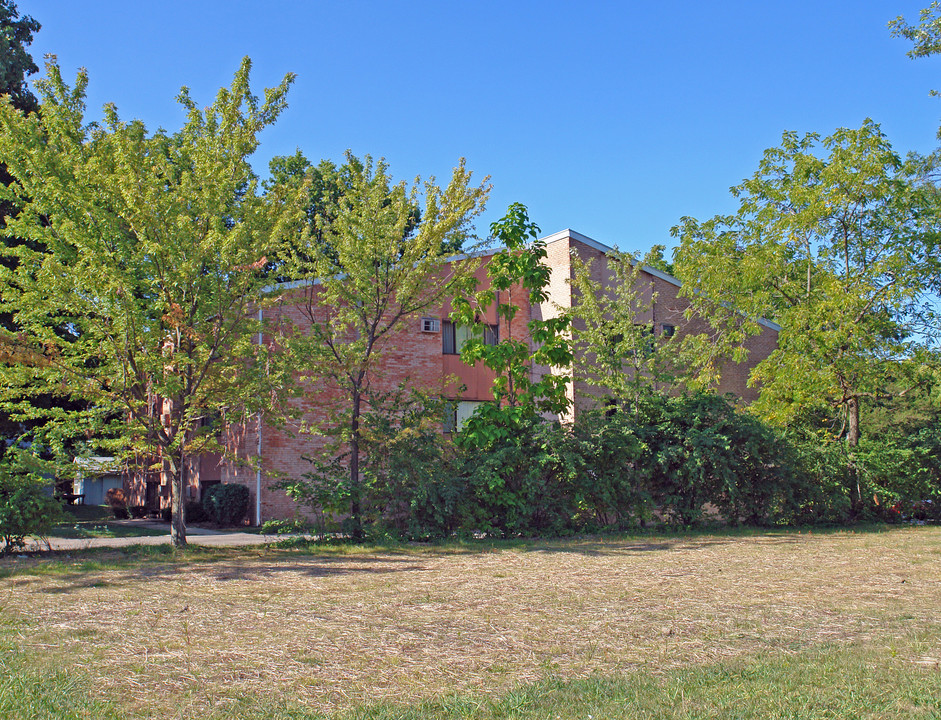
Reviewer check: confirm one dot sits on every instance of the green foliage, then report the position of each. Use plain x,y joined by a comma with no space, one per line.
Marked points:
699,449
616,348
367,272
16,34
409,465
517,476
834,240
195,512
294,526
513,471
410,486
227,504
925,36
138,289
609,477
26,508
655,259
901,472
517,269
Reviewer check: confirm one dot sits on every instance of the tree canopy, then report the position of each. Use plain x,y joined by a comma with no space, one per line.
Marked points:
368,267
16,64
835,239
145,262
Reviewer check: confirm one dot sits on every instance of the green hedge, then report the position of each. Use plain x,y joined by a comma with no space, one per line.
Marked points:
227,504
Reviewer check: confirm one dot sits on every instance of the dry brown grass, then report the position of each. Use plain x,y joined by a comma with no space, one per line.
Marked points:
334,628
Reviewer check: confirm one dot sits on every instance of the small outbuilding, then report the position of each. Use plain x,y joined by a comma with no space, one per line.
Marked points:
94,476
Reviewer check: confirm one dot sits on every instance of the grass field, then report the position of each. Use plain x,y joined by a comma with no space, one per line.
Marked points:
836,624
96,521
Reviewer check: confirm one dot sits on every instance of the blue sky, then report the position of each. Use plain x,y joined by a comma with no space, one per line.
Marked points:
612,118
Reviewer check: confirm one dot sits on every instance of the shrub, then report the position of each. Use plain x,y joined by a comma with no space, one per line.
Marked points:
25,509
227,504
900,472
115,499
407,489
195,512
166,514
413,489
608,477
697,450
138,511
826,493
295,526
517,474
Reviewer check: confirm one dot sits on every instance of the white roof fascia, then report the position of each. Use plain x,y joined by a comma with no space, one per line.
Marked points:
600,247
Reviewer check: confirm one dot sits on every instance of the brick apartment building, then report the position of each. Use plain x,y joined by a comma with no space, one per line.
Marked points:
425,353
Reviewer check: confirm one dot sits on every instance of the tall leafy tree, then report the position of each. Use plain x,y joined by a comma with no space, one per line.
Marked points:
16,64
924,36
366,270
834,240
615,350
152,247
516,272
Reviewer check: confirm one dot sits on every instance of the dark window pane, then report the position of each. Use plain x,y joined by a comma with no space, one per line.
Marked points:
448,345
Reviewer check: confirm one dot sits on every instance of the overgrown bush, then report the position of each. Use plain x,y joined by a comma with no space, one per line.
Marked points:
682,459
900,474
605,455
415,489
227,504
517,474
195,512
827,488
408,487
25,509
294,526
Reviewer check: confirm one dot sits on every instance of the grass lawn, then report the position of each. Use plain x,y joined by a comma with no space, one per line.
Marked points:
778,624
94,521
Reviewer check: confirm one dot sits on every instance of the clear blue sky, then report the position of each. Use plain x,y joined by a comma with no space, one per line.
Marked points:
612,118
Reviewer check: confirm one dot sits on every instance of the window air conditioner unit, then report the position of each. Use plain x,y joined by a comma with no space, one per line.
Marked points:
430,325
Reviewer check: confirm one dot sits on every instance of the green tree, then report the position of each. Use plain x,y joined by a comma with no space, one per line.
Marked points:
16,64
834,240
925,36
25,507
520,388
615,350
366,271
152,246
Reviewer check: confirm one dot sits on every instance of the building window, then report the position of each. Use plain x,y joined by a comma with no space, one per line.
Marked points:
453,336
456,414
669,330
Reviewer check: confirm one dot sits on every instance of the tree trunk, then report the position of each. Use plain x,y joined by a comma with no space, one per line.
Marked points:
852,441
355,500
177,469
852,422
